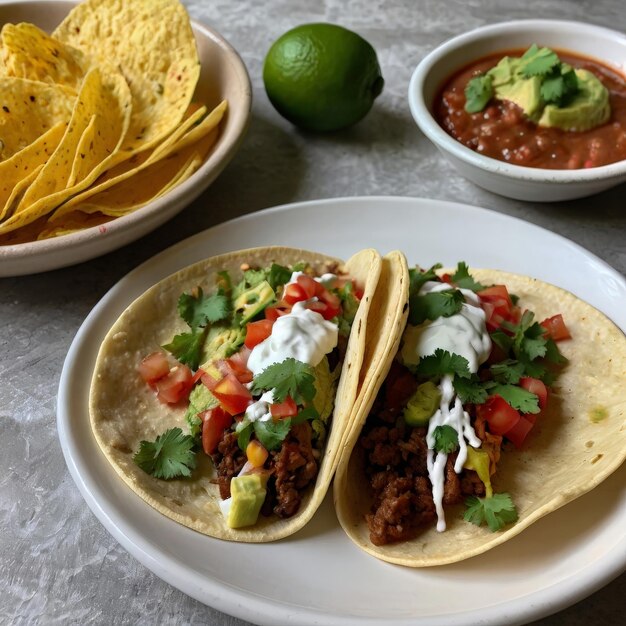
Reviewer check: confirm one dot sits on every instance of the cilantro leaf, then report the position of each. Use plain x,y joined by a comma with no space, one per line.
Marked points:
538,61
528,337
570,84
435,304
533,347
271,433
518,398
170,455
418,277
254,277
496,511
478,92
534,369
509,371
443,362
446,439
462,278
308,413
278,275
288,378
553,354
200,310
553,89
244,434
187,347
502,340
471,389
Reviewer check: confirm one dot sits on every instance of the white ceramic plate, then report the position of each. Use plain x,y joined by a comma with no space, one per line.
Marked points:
223,76
318,575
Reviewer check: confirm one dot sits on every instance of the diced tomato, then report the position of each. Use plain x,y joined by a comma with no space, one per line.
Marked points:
238,364
153,367
208,381
499,414
518,433
175,386
288,408
556,328
256,332
197,376
278,310
308,284
498,307
446,278
325,310
496,293
257,453
227,366
214,422
328,297
536,386
294,293
232,395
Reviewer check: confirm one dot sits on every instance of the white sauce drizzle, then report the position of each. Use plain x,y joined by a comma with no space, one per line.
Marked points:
303,335
260,410
464,334
324,278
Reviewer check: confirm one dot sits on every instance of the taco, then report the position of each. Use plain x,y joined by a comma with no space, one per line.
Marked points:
221,396
503,401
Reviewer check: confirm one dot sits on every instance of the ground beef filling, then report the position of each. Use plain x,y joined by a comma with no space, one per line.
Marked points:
292,469
396,468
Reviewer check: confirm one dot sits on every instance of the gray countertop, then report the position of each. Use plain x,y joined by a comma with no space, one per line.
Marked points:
57,563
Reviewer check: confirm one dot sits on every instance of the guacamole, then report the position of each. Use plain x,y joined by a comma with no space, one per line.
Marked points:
551,93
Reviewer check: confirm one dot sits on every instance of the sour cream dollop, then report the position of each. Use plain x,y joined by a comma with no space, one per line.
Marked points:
465,334
303,335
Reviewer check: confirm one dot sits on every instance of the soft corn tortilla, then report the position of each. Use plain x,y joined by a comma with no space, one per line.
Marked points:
577,443
124,410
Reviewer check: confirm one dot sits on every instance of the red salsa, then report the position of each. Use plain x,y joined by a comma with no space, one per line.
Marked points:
502,131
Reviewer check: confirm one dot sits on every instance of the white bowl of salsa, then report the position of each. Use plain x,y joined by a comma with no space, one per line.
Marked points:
498,148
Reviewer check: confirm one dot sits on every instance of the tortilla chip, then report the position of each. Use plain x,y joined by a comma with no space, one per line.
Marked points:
567,454
148,184
96,197
154,46
103,98
28,110
16,193
29,52
23,164
125,411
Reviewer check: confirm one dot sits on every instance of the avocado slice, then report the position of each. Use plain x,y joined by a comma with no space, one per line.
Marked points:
200,399
247,494
422,404
589,108
221,341
252,301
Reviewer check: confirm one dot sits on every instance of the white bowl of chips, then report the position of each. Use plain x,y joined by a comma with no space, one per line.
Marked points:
117,134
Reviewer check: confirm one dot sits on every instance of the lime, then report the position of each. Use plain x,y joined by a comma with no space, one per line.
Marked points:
322,77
